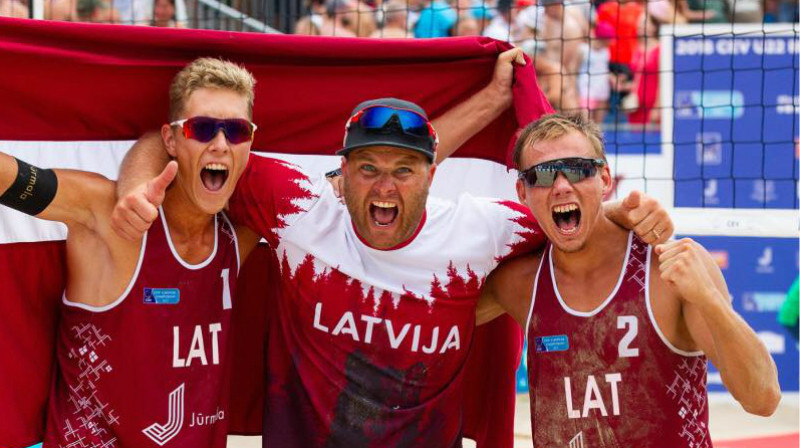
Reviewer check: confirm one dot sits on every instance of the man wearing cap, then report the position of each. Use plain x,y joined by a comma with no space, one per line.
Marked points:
378,295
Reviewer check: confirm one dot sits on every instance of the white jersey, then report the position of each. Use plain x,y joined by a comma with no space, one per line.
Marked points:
373,341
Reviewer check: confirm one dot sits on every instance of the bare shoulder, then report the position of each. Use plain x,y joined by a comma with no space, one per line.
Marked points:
511,284
518,268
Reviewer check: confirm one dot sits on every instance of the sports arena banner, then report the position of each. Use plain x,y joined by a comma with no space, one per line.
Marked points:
78,94
734,123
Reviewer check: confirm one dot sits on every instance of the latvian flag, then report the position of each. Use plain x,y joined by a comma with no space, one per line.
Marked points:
78,95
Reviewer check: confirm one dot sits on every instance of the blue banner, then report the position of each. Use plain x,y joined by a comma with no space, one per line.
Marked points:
735,121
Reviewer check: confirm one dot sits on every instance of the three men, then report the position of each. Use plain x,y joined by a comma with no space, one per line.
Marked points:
378,296
618,334
143,336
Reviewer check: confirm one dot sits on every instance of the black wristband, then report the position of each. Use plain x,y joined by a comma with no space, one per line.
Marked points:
334,173
32,190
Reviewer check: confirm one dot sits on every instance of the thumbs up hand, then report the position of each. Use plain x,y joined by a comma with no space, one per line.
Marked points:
135,213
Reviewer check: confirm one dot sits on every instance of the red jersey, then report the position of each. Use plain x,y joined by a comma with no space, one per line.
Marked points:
150,369
609,377
369,346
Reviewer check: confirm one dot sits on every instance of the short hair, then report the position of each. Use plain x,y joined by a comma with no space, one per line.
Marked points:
210,73
553,126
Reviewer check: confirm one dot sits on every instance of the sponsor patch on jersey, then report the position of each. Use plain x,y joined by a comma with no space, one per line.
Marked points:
162,296
559,343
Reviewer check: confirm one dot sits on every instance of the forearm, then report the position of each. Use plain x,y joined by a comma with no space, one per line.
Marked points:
744,363
144,161
8,171
465,120
67,196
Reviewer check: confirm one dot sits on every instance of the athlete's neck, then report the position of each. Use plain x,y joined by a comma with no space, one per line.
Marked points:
191,229
605,246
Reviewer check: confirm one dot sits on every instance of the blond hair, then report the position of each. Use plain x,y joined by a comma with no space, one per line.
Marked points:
554,126
214,73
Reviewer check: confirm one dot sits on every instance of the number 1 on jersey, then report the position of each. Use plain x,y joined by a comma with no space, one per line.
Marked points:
226,289
632,323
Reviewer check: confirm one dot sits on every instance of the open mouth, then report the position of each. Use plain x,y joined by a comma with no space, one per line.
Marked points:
213,176
567,218
383,214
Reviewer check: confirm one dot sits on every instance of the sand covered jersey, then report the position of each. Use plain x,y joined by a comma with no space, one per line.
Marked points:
609,378
371,344
152,368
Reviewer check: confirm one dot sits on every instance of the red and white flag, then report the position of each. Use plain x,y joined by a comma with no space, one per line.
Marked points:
77,95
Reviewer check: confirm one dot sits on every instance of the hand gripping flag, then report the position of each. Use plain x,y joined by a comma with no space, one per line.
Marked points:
75,95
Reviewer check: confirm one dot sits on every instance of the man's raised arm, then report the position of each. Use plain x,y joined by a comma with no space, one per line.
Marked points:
460,123
744,363
144,176
68,196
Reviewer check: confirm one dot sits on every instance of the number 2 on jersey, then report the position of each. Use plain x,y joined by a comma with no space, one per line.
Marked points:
632,324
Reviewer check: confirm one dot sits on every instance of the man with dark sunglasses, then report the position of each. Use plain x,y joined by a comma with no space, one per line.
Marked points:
618,333
145,323
377,305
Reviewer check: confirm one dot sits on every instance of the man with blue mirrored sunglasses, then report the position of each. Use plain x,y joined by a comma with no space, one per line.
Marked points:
377,306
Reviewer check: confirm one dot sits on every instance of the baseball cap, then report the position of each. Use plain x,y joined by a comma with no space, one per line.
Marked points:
390,122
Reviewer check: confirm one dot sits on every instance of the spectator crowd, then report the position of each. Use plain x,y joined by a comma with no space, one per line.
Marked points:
597,56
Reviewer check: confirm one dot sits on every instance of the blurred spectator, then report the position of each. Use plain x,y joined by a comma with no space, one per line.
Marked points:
563,34
467,24
436,18
594,83
343,18
164,14
365,19
340,18
13,8
311,24
395,20
97,11
705,11
481,10
667,11
61,10
548,75
507,25
530,22
746,11
623,16
789,313
645,65
781,11
503,26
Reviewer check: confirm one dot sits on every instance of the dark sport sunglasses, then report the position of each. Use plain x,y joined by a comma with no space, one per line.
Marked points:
574,169
377,117
204,129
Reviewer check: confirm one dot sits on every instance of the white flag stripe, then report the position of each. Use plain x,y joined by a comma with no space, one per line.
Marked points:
456,176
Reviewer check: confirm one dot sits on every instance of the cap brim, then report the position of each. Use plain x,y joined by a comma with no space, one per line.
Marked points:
348,149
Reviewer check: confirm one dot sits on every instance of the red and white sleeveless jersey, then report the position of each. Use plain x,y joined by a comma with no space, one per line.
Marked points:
150,369
370,344
609,377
